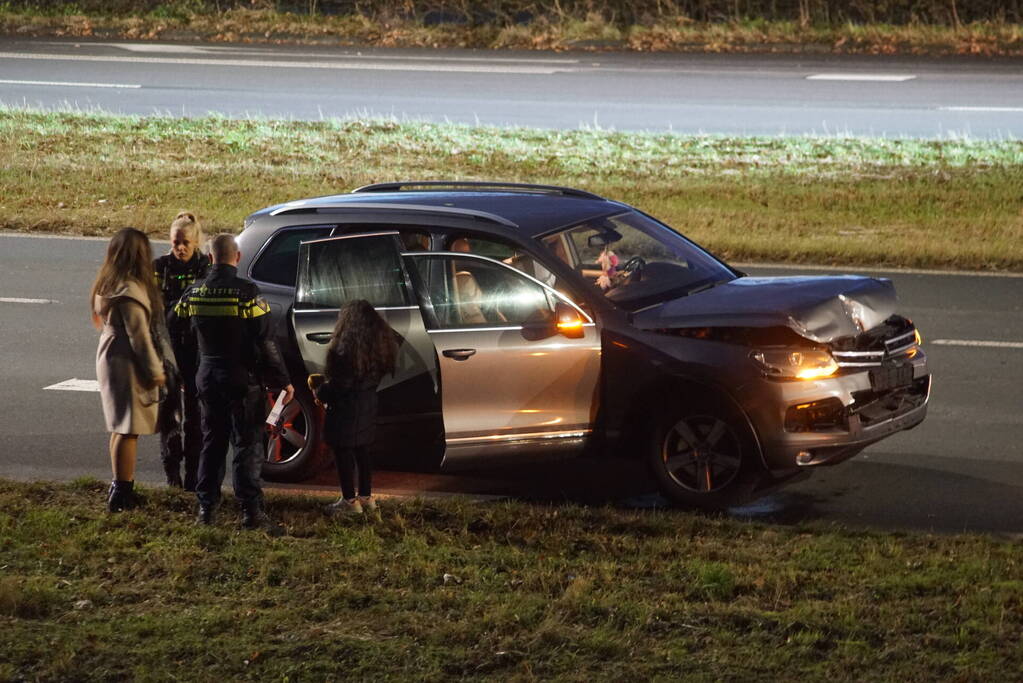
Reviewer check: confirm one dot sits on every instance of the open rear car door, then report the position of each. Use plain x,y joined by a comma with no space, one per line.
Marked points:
335,270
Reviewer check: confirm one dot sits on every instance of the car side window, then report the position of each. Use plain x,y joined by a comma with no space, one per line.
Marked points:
341,270
470,292
415,240
278,262
412,238
514,256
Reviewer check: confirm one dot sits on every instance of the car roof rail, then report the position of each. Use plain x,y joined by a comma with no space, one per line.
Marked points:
302,206
481,185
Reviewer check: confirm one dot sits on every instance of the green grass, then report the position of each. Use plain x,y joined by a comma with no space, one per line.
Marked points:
951,203
533,592
551,29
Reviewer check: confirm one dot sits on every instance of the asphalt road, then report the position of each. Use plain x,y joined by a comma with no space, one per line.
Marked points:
742,94
961,470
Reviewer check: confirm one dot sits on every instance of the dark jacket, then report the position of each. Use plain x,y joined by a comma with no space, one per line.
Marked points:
230,320
351,407
173,277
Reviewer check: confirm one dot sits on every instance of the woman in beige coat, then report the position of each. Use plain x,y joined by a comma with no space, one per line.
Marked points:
128,365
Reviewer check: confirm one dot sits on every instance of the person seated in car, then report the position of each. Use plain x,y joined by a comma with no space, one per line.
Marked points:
415,241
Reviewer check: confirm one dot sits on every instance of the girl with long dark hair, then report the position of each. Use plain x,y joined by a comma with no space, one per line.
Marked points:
362,350
129,366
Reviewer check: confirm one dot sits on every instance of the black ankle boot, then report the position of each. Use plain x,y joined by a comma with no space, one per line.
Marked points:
255,517
174,478
121,496
206,516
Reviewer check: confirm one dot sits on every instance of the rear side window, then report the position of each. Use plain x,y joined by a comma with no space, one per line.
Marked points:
344,269
278,264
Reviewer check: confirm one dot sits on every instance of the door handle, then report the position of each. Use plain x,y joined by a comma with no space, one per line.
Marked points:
459,354
319,337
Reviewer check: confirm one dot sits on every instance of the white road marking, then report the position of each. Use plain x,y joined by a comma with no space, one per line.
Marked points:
342,65
156,47
861,77
877,269
976,342
19,300
74,384
218,49
45,236
72,84
998,109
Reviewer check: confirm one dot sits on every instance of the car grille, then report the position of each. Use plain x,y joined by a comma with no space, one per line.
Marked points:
901,345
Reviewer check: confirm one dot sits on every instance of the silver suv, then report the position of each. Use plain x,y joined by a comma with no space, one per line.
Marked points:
539,319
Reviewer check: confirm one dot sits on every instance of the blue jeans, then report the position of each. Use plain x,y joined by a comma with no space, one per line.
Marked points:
230,415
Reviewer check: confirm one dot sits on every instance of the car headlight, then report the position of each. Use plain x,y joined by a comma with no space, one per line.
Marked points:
801,364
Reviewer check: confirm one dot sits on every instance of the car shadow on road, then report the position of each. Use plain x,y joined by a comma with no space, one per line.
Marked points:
888,496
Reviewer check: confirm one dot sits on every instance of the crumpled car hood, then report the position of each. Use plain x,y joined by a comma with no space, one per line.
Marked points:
820,308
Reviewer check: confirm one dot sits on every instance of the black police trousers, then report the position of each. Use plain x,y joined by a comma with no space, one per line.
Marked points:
233,414
183,444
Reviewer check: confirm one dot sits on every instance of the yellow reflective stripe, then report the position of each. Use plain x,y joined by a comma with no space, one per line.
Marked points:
253,309
215,311
182,309
214,300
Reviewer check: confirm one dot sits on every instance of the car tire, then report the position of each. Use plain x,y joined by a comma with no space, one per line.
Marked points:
293,455
703,455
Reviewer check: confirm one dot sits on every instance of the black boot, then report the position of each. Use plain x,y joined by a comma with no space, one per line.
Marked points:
172,470
121,496
207,515
254,517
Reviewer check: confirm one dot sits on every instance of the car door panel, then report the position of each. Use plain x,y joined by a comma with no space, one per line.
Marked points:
338,269
504,387
512,385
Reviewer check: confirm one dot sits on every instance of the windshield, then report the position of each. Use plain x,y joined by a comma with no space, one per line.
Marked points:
636,261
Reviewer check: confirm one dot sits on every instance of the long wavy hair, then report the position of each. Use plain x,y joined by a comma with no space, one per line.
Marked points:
129,257
365,339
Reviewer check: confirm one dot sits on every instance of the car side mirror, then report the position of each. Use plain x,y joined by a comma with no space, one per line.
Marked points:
569,321
566,321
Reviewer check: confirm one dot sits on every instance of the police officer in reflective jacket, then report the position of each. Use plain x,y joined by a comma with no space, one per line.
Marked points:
238,361
179,415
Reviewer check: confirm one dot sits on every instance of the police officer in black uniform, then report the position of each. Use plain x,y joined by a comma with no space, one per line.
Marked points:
238,361
179,419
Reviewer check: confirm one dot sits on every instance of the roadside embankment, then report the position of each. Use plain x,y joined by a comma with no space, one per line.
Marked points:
931,27
827,200
448,590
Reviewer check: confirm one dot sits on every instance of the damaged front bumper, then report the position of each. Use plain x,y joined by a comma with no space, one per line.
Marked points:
804,424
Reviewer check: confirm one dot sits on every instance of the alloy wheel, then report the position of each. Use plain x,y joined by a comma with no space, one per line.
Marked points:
702,453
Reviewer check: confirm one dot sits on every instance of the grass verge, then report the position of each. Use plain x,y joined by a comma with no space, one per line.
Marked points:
943,203
556,31
445,590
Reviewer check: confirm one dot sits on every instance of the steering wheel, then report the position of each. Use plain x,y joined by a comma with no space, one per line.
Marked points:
636,264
